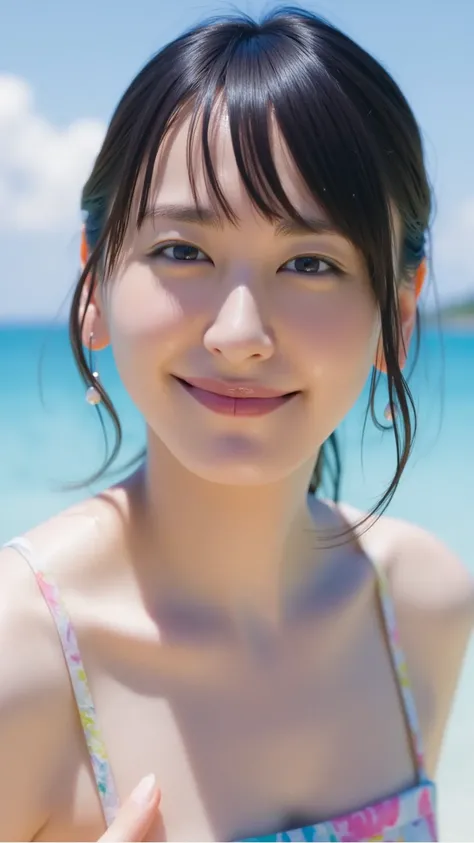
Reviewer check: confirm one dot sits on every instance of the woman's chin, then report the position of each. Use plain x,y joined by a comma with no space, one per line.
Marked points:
238,461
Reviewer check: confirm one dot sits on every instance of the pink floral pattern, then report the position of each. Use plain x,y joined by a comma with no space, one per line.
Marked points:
408,816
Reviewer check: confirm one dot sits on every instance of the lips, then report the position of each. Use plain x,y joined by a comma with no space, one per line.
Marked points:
235,398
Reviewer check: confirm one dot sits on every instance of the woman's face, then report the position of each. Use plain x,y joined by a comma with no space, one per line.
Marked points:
282,321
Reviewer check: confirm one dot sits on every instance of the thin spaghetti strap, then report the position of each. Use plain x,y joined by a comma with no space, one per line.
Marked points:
80,686
401,670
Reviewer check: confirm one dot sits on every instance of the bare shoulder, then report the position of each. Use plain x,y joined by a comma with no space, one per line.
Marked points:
34,701
452,583
39,730
424,573
76,545
433,595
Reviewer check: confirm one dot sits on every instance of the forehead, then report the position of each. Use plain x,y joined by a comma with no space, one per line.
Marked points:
171,182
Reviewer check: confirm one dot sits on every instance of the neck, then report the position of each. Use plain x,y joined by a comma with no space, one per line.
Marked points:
237,550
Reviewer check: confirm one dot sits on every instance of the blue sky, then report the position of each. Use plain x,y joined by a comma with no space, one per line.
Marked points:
64,65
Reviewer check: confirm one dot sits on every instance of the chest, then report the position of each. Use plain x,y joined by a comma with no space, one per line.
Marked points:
246,745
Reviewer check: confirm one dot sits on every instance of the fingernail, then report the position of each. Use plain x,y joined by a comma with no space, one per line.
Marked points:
145,790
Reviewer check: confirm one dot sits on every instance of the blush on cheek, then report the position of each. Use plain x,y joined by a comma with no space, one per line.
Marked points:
353,331
342,343
140,316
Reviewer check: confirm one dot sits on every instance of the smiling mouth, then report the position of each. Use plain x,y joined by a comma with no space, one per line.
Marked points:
235,400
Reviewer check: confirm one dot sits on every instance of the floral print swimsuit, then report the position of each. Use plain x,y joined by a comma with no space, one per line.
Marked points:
409,815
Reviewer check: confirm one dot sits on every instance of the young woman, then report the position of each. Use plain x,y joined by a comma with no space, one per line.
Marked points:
254,249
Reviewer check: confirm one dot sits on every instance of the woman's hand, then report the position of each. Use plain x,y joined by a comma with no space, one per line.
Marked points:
136,814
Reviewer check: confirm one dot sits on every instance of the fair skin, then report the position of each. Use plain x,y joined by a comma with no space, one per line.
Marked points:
185,583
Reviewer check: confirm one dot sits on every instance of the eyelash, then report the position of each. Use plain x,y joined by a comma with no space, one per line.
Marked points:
158,252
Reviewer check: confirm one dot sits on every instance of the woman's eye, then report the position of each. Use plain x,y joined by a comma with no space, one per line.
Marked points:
179,252
310,265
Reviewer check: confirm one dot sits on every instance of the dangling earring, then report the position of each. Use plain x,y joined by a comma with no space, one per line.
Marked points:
389,413
93,395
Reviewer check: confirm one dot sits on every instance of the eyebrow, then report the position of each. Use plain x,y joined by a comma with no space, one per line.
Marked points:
285,227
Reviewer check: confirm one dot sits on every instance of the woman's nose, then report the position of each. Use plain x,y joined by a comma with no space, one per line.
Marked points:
238,332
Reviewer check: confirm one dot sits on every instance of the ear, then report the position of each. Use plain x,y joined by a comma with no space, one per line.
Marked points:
408,296
95,332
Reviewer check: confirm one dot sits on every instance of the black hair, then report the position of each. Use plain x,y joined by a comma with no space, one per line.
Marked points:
349,130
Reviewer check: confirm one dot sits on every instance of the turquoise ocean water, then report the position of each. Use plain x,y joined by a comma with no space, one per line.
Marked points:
49,437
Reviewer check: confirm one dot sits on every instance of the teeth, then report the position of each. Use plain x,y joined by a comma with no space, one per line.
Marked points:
241,390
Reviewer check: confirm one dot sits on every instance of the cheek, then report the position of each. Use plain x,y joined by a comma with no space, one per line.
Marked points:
148,319
337,333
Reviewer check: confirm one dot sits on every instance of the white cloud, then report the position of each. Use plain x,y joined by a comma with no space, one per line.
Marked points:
42,167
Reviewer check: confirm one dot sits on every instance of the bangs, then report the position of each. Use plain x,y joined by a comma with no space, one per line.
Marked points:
328,144
281,75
